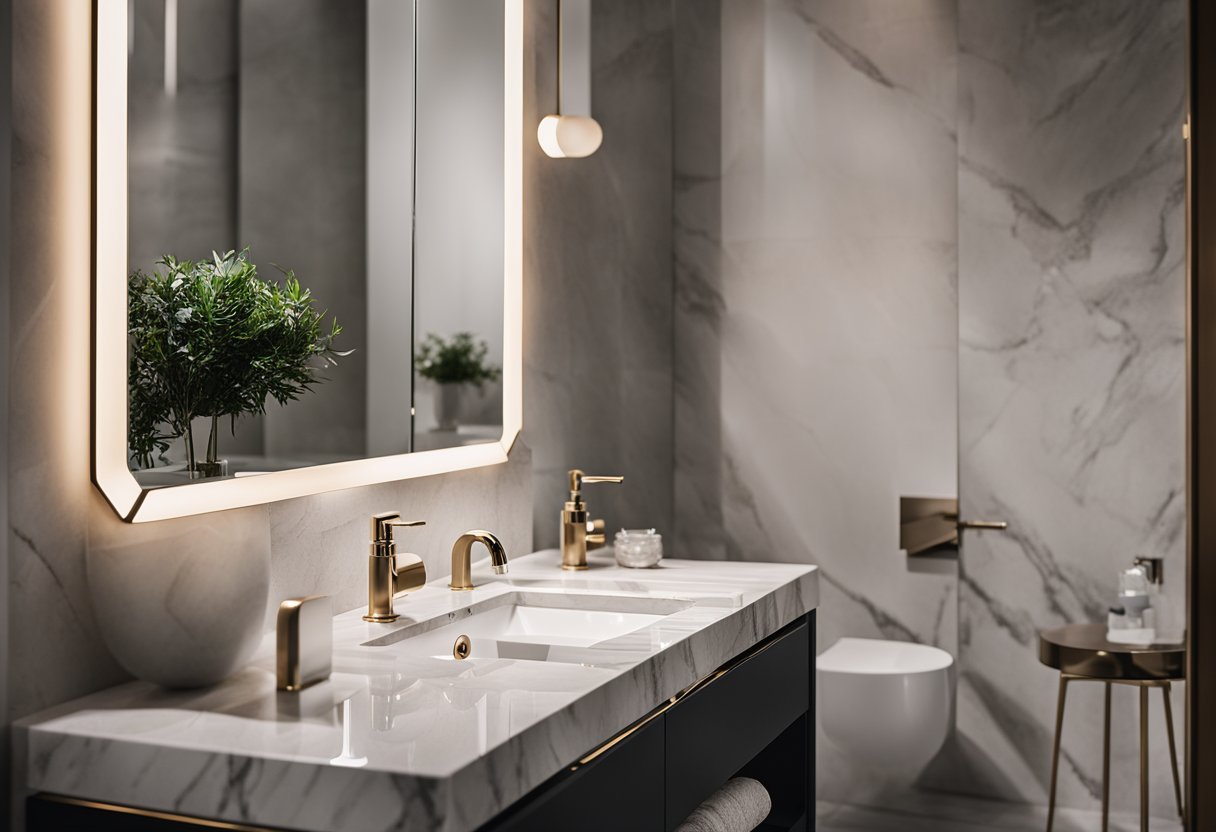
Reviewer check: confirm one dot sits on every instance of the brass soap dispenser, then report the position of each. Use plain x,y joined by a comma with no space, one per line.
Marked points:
578,533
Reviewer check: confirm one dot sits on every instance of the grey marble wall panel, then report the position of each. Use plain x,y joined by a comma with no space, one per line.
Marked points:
55,650
303,154
182,147
1072,365
6,137
697,110
597,328
815,302
817,219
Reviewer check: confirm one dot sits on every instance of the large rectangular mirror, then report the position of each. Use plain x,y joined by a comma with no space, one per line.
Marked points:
307,246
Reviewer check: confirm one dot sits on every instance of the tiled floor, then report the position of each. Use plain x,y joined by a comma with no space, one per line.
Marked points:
932,812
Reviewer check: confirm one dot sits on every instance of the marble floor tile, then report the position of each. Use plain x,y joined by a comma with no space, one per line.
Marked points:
935,812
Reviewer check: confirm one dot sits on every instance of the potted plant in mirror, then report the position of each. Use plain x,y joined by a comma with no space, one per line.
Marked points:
453,364
209,338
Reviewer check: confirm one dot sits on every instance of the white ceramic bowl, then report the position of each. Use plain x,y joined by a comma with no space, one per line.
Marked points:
887,703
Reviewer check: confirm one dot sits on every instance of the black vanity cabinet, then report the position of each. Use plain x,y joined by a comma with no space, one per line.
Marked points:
755,717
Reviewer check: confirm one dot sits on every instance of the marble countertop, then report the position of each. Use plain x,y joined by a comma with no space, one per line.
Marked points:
399,742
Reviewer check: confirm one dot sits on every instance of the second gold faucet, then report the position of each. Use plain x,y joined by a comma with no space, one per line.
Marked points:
462,556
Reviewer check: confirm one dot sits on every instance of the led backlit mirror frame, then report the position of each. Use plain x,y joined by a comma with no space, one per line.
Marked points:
111,474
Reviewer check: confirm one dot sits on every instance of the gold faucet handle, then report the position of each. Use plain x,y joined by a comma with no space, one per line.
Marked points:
382,526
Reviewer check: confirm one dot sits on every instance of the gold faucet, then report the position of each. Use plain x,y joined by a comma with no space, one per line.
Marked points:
462,556
387,576
578,533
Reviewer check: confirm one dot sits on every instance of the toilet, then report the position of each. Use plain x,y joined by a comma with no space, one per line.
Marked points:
888,704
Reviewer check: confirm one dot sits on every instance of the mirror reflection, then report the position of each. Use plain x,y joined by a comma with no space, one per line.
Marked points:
315,232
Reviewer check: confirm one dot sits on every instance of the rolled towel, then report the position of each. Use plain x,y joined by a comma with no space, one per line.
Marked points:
739,805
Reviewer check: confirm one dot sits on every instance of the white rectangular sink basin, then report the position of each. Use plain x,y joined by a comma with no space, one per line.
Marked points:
537,627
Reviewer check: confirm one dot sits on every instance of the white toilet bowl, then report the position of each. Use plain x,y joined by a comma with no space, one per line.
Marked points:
887,703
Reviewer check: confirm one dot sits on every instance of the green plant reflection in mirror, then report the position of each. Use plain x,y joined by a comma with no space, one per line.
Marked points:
210,338
461,360
454,365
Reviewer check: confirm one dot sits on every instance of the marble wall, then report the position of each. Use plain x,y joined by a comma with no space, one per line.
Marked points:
851,179
55,656
1071,365
597,324
6,133
815,302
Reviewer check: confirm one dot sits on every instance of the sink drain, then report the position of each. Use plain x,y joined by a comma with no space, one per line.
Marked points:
463,648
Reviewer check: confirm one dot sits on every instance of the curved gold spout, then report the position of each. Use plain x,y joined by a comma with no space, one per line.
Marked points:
462,555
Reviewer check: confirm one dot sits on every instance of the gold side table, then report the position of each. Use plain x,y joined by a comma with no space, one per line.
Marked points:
1082,654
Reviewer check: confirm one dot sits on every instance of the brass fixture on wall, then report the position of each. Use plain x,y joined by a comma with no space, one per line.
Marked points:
931,525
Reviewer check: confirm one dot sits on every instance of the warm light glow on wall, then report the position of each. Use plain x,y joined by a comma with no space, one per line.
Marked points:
110,470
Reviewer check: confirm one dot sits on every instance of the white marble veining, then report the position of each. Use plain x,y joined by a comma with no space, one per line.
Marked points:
1071,367
400,740
815,217
831,156
597,328
50,493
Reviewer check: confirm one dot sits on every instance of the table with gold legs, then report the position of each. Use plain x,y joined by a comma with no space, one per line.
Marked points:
1082,654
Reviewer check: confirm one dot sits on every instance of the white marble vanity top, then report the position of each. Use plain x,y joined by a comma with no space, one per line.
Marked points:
393,742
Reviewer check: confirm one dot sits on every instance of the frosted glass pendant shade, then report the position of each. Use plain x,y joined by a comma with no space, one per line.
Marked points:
570,132
569,137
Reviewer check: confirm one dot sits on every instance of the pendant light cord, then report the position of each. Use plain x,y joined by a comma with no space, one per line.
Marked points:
559,57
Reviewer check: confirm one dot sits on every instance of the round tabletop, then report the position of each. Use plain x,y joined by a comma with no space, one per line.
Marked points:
1082,650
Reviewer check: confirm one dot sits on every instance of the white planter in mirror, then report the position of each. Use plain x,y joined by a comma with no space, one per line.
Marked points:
447,405
181,602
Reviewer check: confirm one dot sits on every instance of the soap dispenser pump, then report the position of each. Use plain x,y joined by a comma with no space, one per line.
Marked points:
578,532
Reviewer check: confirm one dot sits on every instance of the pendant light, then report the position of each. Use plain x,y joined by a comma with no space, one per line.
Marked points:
571,132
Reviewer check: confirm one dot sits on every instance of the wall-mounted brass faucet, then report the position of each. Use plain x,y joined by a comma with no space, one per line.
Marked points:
462,556
388,576
579,534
